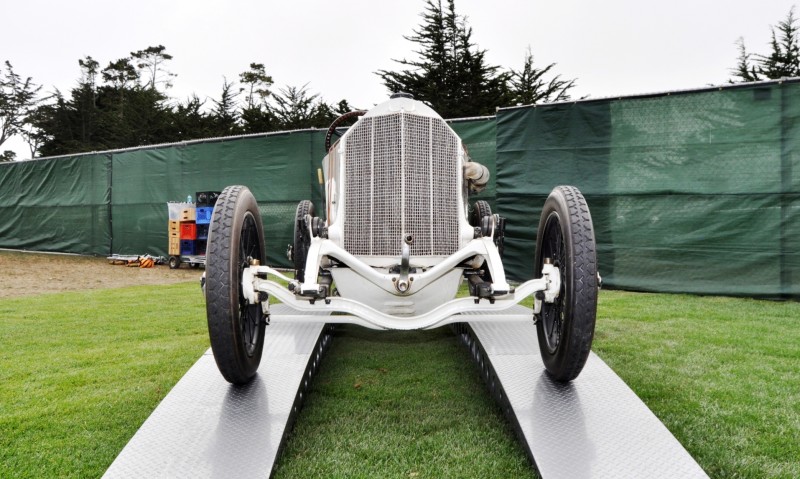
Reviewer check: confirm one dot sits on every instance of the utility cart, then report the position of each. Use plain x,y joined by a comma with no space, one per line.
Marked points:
188,230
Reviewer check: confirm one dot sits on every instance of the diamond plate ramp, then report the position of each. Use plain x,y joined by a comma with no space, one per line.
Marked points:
593,427
206,427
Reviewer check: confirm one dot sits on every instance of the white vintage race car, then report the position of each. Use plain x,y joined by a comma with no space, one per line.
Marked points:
396,240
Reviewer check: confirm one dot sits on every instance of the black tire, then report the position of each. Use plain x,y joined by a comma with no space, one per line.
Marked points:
479,210
174,262
566,327
235,328
194,265
302,240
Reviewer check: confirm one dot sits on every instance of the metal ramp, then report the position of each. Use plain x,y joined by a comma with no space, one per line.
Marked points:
207,428
593,427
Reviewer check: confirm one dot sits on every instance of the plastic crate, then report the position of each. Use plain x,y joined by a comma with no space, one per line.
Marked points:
175,209
188,231
200,247
174,246
202,232
206,198
204,214
187,247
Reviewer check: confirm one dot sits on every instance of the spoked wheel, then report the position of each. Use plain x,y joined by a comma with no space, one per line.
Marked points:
565,327
302,239
236,328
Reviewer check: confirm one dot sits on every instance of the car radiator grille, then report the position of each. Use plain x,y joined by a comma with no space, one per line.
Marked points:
401,177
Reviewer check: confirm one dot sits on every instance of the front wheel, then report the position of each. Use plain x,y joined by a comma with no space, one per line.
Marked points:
565,327
235,328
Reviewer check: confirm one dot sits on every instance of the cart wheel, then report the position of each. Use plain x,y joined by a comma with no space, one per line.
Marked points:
236,329
194,265
566,327
480,210
174,262
302,241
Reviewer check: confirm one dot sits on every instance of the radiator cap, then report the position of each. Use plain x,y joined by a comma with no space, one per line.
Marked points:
401,94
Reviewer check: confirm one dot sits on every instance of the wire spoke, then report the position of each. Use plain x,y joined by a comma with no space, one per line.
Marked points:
249,315
553,313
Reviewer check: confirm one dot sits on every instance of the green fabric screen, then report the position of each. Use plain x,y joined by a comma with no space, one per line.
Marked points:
691,192
280,170
58,205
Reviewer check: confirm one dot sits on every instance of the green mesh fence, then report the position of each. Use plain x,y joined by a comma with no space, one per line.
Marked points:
692,192
59,205
279,169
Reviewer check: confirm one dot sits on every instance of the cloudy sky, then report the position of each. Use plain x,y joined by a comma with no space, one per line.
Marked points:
612,47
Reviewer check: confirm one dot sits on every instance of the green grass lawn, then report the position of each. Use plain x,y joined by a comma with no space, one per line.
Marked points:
723,374
80,372
400,404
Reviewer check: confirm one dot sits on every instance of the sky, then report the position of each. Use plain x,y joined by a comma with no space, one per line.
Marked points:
612,47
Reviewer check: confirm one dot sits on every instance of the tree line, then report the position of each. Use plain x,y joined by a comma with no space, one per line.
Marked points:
127,102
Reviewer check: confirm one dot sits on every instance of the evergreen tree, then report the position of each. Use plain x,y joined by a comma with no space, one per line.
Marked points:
123,105
150,63
295,108
32,133
256,85
225,112
117,113
256,115
190,122
84,101
451,74
17,98
783,61
529,86
7,156
745,69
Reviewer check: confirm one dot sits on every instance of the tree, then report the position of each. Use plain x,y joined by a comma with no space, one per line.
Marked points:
295,108
150,63
745,70
451,74
32,132
783,61
84,100
256,115
120,74
528,86
224,113
190,121
17,98
257,85
118,112
7,156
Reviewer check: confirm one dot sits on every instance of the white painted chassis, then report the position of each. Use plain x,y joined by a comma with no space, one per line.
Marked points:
256,279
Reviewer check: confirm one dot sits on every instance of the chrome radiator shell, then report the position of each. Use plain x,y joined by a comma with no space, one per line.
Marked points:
402,176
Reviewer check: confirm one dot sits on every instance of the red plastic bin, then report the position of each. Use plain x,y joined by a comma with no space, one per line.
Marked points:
188,231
